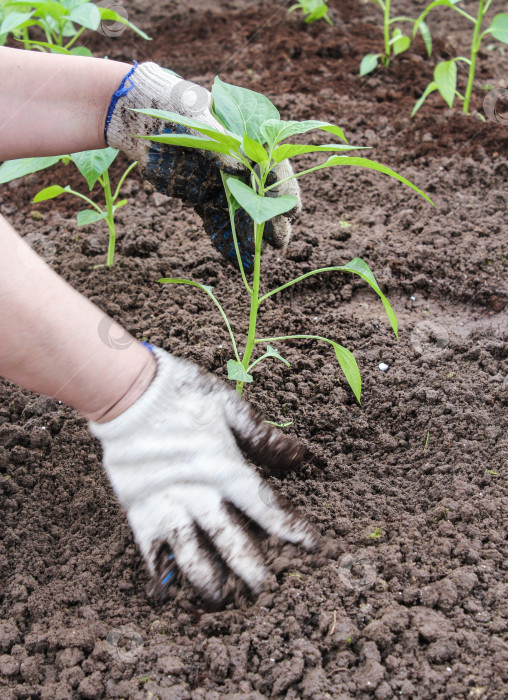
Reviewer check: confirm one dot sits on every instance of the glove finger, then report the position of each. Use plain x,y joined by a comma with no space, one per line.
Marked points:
182,172
278,230
251,495
165,575
160,525
217,223
264,444
234,545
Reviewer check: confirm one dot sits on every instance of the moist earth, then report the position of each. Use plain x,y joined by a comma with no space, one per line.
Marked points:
409,489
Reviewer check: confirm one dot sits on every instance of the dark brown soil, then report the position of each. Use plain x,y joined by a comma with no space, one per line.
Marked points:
410,489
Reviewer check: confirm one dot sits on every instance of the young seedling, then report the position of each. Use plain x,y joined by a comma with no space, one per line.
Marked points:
255,136
61,23
312,10
94,166
395,41
445,73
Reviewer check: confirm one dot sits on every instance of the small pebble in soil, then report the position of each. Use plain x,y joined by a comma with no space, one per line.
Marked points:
383,366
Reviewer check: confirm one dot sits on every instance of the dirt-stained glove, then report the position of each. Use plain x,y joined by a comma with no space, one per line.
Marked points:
188,174
174,460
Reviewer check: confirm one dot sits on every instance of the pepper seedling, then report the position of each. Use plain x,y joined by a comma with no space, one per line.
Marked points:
255,136
395,42
61,23
94,166
445,73
312,10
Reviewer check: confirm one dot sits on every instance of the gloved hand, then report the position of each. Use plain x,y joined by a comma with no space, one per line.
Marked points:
174,460
186,173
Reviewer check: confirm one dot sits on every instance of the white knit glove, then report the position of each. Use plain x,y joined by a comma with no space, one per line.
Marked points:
174,461
156,88
190,175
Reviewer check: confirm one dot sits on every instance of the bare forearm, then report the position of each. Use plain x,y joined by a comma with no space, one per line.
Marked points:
52,104
55,342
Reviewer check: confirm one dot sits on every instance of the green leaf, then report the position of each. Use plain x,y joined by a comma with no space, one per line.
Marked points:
241,110
349,366
190,141
401,44
254,150
260,209
52,47
91,164
426,36
372,165
176,280
89,216
445,77
345,358
111,15
430,88
14,20
369,63
436,3
272,352
228,139
289,150
49,193
237,372
81,51
12,169
276,130
360,267
51,9
86,15
318,13
498,27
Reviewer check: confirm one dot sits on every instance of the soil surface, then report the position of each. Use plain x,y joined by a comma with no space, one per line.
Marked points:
409,489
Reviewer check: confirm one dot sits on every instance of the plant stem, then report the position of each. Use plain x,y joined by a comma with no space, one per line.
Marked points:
76,36
26,39
254,300
387,29
474,51
110,218
122,179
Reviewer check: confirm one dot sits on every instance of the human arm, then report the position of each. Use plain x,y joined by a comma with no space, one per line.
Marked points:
52,104
173,436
